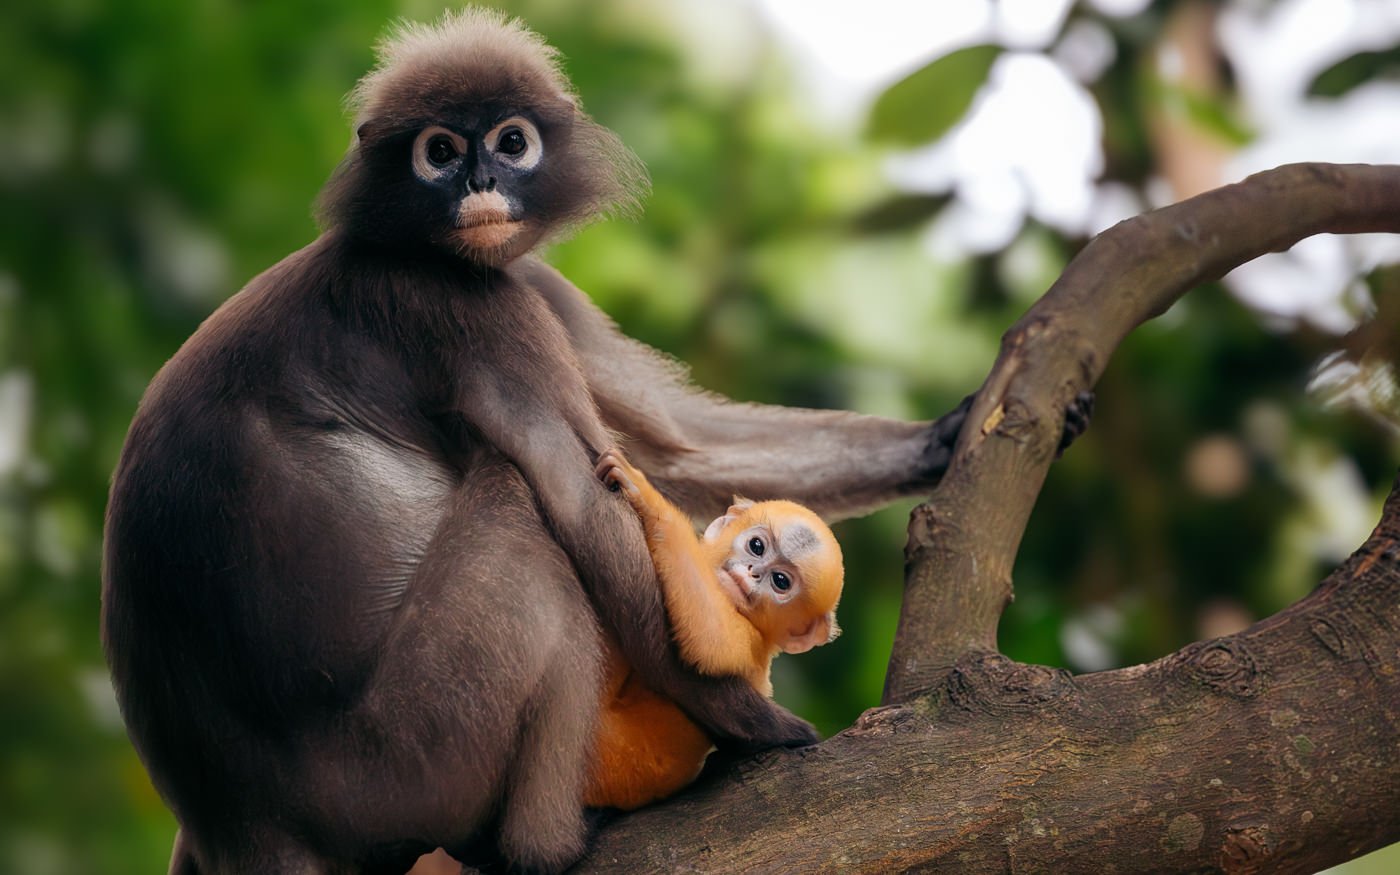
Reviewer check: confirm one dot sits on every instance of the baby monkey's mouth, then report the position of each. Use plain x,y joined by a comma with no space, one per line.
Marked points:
736,580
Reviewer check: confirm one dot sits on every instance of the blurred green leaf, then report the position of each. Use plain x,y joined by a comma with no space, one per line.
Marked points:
1216,115
1211,113
900,212
1356,70
922,106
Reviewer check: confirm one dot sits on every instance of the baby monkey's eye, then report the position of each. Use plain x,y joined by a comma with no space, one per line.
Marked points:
781,582
756,546
441,151
512,142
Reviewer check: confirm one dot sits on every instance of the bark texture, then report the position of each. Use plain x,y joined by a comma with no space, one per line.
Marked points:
1277,749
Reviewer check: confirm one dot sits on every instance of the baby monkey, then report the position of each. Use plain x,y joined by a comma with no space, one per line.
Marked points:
765,577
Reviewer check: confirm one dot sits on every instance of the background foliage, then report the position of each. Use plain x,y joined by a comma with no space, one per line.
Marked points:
155,155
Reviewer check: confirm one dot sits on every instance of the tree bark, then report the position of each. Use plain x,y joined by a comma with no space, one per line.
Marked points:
1276,749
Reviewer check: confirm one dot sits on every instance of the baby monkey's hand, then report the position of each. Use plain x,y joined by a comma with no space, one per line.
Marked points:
618,474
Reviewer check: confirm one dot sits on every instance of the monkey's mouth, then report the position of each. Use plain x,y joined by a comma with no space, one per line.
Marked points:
486,229
737,583
484,221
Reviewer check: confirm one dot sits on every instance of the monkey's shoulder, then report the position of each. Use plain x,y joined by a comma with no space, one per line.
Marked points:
278,351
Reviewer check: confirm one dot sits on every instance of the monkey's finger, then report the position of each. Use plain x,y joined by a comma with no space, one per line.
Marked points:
618,480
607,463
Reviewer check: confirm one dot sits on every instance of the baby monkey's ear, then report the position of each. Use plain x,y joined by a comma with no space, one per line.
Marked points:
739,505
822,630
736,509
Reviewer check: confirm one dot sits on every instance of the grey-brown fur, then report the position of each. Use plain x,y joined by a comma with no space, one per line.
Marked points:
357,563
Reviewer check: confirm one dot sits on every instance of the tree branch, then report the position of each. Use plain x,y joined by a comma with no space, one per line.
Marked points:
963,541
1275,749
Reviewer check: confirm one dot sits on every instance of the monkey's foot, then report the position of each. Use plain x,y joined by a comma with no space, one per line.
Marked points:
942,437
1077,417
943,434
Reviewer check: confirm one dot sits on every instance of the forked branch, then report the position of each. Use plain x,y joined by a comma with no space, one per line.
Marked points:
963,541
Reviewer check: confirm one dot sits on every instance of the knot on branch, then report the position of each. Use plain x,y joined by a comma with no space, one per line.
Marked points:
1338,634
1013,418
1225,665
928,530
1251,848
990,682
890,720
1330,634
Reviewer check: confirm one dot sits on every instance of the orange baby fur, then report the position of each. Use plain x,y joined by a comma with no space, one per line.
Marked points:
764,578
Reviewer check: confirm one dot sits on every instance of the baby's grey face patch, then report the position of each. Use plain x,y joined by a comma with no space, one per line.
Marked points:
797,541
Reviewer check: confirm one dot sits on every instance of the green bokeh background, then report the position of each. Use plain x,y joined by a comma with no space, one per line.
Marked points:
154,155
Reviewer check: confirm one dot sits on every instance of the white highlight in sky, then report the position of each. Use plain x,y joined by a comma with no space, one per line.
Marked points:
1030,24
1277,51
1031,143
16,412
849,52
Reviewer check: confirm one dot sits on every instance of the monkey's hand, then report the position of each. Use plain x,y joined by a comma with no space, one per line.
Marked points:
782,728
943,434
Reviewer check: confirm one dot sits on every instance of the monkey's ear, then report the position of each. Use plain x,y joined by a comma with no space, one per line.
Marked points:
738,507
369,131
822,630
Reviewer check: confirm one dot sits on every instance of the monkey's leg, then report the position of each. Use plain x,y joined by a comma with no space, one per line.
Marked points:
487,689
542,826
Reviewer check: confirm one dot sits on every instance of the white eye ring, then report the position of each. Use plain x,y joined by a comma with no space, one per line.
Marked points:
534,146
425,169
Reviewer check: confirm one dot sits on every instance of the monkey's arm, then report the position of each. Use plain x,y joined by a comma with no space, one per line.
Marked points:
712,636
702,448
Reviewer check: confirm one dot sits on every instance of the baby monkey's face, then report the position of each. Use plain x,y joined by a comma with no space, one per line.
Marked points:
760,564
779,556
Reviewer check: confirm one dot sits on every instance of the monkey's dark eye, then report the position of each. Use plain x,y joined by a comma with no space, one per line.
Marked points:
756,546
512,142
441,152
781,582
